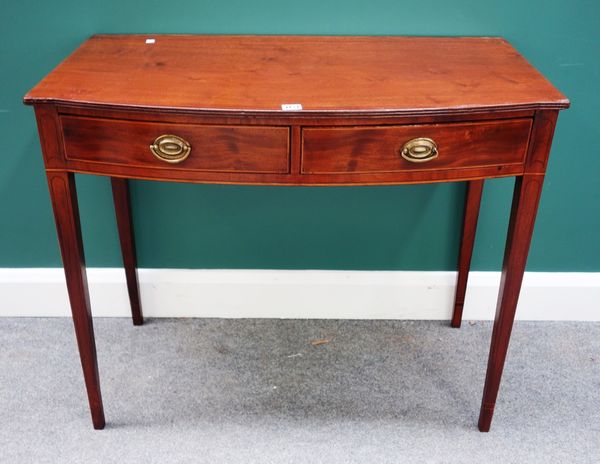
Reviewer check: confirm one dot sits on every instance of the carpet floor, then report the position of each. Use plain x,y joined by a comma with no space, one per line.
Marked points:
298,391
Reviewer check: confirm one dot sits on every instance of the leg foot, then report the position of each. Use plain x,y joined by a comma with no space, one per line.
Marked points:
66,214
120,188
522,217
471,214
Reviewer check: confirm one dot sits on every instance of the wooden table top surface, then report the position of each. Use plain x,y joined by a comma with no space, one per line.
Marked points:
326,75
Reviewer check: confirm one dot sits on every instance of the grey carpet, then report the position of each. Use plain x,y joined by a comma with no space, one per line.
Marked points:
258,391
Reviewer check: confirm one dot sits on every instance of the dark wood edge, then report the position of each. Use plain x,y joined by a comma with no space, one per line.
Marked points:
182,117
304,118
563,104
303,174
303,180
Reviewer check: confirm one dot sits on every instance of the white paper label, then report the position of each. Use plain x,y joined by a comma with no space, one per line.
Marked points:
150,41
291,107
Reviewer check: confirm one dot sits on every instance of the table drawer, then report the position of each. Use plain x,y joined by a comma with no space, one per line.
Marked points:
194,147
434,146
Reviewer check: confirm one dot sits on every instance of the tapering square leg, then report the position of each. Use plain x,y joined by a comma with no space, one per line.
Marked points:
526,197
120,189
471,214
66,214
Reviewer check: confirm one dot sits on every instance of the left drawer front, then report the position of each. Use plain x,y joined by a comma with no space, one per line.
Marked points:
213,148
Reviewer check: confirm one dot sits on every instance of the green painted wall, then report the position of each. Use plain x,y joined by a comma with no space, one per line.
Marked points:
195,226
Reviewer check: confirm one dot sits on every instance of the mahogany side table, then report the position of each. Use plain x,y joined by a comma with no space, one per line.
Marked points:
296,110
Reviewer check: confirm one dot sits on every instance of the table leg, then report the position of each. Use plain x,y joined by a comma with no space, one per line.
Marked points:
66,214
120,189
471,214
526,197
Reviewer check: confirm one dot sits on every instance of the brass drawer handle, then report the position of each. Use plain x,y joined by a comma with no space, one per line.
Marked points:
419,150
170,148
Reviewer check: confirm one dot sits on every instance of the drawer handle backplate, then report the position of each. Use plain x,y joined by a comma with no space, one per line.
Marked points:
170,148
419,150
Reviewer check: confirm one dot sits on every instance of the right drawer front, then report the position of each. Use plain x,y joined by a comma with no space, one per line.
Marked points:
379,148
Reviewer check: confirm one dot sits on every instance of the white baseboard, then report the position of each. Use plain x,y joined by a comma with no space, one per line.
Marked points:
301,294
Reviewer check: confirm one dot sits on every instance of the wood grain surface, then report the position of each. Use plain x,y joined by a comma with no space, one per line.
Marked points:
415,75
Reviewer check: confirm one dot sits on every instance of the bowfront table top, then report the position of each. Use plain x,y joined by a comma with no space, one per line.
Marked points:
296,110
331,75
